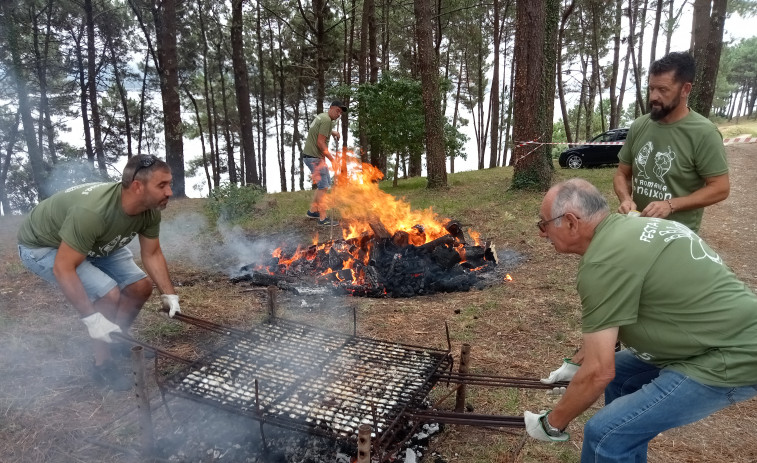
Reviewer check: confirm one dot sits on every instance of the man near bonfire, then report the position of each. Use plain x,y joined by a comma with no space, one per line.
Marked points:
76,240
316,152
673,162
689,326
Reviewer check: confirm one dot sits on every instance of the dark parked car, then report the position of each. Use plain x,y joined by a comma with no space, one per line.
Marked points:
578,156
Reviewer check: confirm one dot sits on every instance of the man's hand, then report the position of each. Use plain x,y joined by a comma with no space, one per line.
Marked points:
627,206
565,373
100,327
170,304
537,426
659,209
335,135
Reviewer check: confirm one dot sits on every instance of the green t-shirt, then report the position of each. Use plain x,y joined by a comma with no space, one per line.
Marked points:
672,160
323,125
89,218
676,304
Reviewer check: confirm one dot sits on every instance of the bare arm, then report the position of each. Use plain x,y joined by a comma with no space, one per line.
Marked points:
596,372
715,189
323,147
155,264
66,261
622,184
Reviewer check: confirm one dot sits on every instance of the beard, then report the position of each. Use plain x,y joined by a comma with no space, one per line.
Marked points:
660,112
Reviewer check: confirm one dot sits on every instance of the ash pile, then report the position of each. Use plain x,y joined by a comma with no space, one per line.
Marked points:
379,264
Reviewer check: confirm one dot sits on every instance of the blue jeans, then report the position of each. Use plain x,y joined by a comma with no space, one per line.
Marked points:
98,275
643,401
319,171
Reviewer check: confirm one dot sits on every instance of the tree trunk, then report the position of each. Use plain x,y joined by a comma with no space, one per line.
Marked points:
77,36
614,111
533,165
263,119
12,134
92,85
242,88
707,36
17,70
230,161
123,97
560,86
596,73
655,32
494,95
165,27
435,152
202,138
45,122
207,81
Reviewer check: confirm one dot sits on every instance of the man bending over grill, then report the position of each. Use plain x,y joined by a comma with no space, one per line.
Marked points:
688,324
76,240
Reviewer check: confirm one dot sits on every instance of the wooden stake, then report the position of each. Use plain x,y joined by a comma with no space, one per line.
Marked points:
463,369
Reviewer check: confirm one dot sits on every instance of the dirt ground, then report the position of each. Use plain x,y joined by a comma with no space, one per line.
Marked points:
51,412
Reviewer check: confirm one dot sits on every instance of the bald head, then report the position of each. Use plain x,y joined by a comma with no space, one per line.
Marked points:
579,197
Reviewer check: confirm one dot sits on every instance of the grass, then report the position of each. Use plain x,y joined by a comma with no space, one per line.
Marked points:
743,126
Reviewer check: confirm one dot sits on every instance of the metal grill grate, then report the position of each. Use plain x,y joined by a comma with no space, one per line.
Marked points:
312,380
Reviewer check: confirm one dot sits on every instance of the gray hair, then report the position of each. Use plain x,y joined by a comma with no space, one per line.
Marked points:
581,198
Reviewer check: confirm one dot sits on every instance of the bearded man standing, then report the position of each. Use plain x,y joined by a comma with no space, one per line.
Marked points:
673,162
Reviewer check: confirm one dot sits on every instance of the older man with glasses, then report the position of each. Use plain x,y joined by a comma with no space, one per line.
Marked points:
76,240
688,324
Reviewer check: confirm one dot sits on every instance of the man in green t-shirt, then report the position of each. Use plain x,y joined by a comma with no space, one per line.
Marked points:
688,323
314,155
673,162
76,240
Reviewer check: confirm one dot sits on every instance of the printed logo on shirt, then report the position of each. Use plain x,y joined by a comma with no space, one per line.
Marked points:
652,184
116,243
647,357
669,231
88,186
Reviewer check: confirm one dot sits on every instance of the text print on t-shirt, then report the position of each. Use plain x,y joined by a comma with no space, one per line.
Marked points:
669,230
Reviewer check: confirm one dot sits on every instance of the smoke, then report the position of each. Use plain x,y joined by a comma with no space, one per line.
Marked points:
189,238
71,173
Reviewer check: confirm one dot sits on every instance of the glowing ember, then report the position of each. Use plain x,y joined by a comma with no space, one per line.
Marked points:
508,277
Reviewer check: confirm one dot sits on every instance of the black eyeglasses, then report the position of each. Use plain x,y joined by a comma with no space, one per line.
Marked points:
144,163
542,224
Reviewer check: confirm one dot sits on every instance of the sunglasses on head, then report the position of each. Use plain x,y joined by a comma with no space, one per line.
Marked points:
144,163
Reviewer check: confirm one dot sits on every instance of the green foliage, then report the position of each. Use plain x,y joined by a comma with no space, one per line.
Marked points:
393,116
232,203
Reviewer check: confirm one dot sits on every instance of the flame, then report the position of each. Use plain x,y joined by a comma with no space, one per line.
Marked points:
361,205
360,202
508,277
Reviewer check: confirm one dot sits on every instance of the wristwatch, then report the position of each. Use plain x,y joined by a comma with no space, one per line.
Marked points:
548,428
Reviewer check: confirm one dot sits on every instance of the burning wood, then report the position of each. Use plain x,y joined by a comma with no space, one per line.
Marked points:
378,265
387,249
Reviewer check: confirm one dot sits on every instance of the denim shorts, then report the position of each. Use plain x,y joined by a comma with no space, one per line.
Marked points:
99,275
319,171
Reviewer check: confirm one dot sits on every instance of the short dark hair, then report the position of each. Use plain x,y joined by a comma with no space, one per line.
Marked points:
340,105
681,62
140,166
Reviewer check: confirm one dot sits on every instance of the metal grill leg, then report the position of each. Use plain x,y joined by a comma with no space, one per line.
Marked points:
364,443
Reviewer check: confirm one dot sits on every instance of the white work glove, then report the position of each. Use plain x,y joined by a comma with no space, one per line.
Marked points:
170,304
100,327
566,372
535,428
